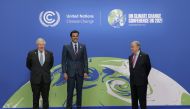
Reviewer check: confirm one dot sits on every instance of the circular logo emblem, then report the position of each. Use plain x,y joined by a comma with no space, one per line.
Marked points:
117,18
49,18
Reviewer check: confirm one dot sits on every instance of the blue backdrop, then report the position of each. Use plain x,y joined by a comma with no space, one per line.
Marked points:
166,43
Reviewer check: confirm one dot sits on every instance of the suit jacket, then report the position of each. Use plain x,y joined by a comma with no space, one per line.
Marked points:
139,74
39,72
74,63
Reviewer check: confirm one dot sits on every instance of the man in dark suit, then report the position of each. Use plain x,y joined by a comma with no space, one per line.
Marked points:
75,68
140,67
39,62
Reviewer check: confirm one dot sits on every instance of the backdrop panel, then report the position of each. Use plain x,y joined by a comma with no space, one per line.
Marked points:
107,28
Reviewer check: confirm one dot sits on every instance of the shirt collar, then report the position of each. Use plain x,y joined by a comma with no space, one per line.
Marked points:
138,52
40,52
75,43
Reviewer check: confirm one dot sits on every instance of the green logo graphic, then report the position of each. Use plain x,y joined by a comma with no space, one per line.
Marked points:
108,85
117,18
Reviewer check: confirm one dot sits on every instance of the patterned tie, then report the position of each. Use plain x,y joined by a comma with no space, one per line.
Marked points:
134,59
76,49
41,59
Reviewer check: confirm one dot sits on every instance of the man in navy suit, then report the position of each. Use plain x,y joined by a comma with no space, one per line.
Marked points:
139,66
75,68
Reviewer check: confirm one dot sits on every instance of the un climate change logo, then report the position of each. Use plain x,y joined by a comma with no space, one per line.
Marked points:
49,18
117,18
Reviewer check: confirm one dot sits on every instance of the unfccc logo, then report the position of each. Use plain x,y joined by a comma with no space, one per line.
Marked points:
49,18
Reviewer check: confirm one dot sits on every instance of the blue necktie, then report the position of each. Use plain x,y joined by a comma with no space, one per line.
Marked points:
41,59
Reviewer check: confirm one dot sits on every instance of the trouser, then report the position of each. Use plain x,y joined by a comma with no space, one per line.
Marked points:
40,89
138,93
72,83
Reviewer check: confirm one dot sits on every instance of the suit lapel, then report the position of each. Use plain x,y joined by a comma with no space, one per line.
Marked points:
138,59
72,50
130,61
36,56
79,49
46,57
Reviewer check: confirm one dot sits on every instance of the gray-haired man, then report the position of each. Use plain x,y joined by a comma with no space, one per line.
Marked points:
139,66
39,62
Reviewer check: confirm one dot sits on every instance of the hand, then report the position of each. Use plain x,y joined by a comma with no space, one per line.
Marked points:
65,76
85,75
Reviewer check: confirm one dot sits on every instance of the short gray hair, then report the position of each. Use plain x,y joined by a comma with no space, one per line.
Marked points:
137,43
40,40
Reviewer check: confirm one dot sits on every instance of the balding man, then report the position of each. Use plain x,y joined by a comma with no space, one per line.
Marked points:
39,62
140,67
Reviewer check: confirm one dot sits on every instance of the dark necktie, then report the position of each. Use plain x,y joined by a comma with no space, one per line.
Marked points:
75,48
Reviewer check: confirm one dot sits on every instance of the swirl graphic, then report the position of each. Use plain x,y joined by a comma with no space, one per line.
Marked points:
49,18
